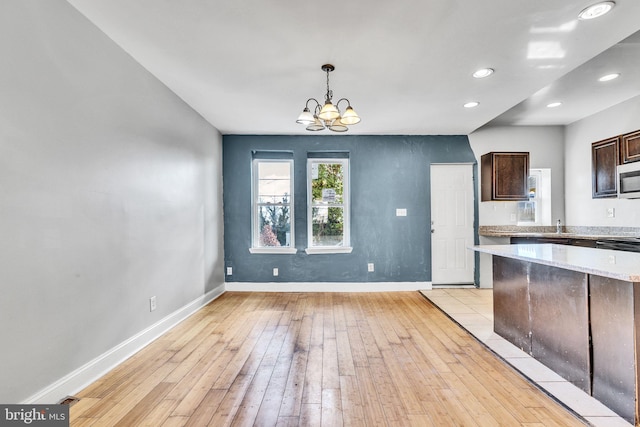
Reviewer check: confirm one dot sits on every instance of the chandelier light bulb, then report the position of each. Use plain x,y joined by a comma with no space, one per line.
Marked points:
316,125
329,111
305,117
338,126
350,117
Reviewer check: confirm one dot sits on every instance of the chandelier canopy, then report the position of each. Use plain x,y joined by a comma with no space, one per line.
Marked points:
328,116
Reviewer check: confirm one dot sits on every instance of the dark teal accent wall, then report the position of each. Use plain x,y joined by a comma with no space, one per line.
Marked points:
386,172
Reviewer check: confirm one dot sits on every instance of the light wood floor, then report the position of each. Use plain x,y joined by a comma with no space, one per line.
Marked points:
289,359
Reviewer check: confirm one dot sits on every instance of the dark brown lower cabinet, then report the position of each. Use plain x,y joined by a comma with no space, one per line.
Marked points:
587,243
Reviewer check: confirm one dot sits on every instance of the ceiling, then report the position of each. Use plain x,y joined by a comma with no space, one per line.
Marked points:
248,66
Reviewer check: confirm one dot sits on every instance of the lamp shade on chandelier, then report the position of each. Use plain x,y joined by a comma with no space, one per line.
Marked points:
328,115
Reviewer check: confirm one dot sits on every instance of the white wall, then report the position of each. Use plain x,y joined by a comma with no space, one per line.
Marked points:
581,209
546,147
110,192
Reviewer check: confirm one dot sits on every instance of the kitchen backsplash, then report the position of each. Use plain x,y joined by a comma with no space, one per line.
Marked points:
581,230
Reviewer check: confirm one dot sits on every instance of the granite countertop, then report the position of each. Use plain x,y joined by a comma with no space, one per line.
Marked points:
587,233
600,262
550,234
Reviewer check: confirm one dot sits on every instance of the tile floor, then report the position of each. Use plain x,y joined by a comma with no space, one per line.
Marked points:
473,310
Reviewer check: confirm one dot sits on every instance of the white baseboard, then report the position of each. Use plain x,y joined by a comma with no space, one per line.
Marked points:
326,286
85,375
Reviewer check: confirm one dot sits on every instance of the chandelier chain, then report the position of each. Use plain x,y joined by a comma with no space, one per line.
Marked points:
329,94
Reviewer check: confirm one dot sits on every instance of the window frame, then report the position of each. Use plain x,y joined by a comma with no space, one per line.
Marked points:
346,206
255,248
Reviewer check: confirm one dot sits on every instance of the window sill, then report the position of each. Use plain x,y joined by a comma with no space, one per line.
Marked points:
275,251
334,250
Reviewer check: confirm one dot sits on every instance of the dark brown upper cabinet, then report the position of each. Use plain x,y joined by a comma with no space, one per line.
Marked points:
605,156
504,176
630,147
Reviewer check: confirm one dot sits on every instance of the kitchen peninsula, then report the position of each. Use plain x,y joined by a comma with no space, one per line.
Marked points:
576,310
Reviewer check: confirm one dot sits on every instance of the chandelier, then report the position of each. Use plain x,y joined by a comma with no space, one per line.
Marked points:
328,116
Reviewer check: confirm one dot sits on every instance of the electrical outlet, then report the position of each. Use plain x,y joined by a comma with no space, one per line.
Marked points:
611,212
152,303
370,267
275,271
401,212
513,217
229,271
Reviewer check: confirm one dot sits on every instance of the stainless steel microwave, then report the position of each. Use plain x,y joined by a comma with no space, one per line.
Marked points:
629,180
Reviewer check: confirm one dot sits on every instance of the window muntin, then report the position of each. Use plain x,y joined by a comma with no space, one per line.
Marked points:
273,204
328,210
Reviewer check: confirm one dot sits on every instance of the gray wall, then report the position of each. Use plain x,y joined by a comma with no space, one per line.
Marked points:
387,172
110,192
582,209
545,145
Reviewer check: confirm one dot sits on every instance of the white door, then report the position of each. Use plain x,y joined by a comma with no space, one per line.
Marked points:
452,224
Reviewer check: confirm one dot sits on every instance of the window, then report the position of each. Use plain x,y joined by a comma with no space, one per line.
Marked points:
328,205
537,210
272,208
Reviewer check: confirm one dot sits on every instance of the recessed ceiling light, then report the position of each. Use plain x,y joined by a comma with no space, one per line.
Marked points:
471,104
483,72
608,77
596,10
554,104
